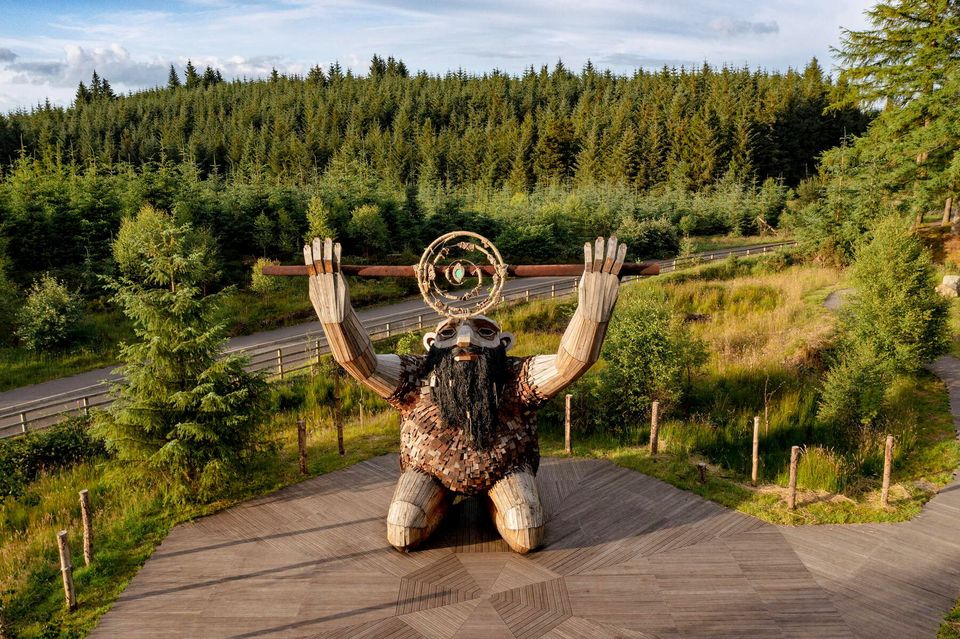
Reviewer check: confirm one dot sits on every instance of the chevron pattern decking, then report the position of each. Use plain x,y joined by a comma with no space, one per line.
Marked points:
626,556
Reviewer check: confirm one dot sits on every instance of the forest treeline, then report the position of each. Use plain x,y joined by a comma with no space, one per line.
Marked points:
542,127
540,161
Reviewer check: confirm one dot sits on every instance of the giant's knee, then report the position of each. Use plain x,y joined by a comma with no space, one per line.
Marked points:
406,525
522,527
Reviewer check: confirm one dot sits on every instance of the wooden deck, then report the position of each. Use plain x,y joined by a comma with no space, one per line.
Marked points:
626,556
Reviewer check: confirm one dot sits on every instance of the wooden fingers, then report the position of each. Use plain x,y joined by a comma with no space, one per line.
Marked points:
611,252
587,259
621,256
598,255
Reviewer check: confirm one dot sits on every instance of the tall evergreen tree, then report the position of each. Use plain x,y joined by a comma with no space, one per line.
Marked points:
182,409
173,80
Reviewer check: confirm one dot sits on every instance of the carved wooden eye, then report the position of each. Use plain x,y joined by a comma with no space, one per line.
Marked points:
486,332
447,332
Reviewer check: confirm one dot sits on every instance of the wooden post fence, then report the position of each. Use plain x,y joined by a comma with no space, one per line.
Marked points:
66,569
337,413
702,467
792,488
654,427
567,426
756,450
947,207
887,467
302,444
280,363
86,515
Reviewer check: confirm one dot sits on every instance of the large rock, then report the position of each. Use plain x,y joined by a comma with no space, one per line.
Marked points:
950,286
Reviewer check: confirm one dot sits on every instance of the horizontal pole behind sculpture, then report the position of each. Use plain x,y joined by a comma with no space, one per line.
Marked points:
519,270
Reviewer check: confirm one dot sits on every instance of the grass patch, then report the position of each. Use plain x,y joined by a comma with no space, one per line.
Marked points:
131,519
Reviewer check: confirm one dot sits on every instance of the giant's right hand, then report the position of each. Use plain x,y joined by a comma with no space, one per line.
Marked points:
328,288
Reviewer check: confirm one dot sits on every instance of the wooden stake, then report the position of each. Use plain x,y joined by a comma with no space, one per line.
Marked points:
654,426
947,207
567,441
361,414
756,450
280,363
792,488
302,444
702,467
66,569
887,467
87,517
337,417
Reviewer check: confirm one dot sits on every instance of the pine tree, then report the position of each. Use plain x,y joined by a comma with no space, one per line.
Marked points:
173,80
181,409
191,77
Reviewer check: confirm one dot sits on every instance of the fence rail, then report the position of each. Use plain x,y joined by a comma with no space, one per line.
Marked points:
282,357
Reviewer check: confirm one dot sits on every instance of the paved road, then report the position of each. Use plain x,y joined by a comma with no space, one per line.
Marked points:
626,555
73,383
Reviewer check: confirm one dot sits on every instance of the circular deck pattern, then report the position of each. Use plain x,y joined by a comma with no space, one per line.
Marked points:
626,556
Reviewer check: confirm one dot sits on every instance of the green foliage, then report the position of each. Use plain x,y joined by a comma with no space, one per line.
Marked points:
648,352
23,459
649,239
409,344
852,394
368,229
895,312
49,316
182,409
260,283
319,222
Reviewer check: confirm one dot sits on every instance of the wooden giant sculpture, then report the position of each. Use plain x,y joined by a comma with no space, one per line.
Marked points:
468,411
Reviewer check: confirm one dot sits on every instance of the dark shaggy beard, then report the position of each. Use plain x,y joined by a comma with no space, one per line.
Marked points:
467,394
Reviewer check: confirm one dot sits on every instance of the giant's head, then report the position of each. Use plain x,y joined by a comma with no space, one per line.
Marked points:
467,368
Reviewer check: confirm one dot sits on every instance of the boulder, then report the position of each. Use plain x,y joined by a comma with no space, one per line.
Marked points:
950,286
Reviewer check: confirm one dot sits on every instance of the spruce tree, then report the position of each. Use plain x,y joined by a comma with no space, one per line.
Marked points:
181,409
173,80
191,77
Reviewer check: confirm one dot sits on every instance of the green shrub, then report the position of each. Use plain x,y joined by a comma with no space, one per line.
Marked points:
853,389
649,239
896,312
260,283
648,352
49,315
22,459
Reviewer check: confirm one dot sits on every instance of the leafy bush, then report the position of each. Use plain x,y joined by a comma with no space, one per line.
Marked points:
22,459
853,389
49,315
648,353
649,239
260,283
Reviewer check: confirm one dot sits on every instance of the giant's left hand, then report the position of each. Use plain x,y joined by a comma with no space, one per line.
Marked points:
600,282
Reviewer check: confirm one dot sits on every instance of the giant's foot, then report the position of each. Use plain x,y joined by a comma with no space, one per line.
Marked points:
516,510
418,506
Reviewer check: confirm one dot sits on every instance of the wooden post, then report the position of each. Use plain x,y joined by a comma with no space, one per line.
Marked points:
318,353
654,426
302,444
280,362
87,516
567,426
527,294
86,405
553,291
947,207
792,488
887,467
756,450
420,322
388,329
66,569
337,416
702,467
23,422
361,414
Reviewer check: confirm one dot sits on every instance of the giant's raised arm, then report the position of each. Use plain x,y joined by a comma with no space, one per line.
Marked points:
581,342
348,340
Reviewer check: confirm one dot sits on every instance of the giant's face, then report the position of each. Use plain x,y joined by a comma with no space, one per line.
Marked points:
467,366
467,336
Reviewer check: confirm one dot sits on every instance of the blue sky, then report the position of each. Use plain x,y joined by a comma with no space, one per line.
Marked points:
46,48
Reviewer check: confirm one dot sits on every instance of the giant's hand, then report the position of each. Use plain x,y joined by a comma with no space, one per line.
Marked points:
328,287
600,282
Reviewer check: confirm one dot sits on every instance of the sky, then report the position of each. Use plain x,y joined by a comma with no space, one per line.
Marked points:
46,48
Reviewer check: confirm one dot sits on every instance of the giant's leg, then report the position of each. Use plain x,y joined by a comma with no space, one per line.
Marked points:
516,510
417,508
